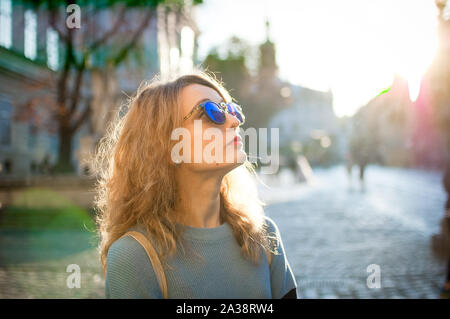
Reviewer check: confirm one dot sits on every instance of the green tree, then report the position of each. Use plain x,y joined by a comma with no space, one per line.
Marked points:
266,99
232,69
259,95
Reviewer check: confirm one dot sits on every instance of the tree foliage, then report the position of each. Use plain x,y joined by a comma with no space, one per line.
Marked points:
82,47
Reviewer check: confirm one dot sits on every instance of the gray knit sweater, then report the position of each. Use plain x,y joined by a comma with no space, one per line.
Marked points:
223,272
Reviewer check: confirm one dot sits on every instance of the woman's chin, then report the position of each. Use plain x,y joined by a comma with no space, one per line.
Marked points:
241,156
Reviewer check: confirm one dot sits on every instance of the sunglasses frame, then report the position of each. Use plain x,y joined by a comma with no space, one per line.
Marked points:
221,106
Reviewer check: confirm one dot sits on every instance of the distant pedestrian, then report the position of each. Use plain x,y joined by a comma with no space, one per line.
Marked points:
349,165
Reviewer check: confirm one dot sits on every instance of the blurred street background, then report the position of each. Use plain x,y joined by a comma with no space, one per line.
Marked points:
334,228
359,91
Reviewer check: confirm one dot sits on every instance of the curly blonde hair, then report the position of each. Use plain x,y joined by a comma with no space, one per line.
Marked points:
136,181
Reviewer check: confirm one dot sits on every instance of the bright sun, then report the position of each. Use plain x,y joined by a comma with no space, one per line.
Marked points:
356,47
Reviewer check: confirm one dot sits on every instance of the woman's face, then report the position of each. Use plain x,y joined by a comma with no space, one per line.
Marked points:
212,146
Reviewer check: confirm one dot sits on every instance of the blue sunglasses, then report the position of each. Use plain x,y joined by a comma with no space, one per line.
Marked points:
216,112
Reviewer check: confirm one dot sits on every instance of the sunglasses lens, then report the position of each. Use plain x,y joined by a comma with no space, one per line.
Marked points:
236,111
214,113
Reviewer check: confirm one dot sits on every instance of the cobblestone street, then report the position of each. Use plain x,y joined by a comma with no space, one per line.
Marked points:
332,231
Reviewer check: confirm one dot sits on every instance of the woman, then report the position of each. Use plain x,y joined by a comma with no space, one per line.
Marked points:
203,218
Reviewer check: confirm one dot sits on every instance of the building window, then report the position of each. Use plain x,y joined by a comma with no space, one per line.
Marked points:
52,49
5,23
7,166
32,134
5,123
30,35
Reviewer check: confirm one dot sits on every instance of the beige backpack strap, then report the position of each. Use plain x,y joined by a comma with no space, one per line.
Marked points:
269,257
154,260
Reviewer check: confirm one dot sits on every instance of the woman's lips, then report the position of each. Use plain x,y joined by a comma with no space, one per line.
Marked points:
237,139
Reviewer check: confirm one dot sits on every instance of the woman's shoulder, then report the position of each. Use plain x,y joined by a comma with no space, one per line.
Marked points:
273,233
129,271
126,251
271,225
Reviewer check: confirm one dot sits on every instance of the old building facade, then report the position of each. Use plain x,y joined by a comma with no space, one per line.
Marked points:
30,58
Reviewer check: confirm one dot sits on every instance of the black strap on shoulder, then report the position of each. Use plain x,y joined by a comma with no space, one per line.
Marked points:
292,294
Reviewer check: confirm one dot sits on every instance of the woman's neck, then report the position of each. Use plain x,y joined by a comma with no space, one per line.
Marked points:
199,199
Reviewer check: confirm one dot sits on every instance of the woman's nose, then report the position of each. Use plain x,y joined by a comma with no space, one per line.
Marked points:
232,120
